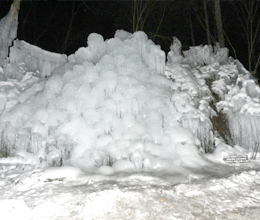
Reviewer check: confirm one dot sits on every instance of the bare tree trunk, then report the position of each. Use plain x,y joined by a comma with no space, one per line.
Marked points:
218,18
207,21
248,16
68,35
191,28
140,12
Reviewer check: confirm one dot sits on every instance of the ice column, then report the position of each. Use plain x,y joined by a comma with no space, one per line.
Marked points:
36,58
8,30
152,55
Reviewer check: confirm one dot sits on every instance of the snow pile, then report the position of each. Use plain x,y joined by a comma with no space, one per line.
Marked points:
110,102
36,59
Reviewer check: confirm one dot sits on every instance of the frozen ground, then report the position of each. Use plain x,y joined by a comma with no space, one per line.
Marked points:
211,192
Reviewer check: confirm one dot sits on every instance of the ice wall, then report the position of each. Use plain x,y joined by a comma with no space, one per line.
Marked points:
8,30
35,58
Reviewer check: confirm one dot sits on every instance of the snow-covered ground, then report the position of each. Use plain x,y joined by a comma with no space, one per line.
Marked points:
212,192
116,132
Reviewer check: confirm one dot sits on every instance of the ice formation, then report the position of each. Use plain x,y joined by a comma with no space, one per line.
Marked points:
242,106
191,97
175,54
117,102
205,55
8,30
109,102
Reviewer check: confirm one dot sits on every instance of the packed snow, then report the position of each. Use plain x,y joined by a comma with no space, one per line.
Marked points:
116,131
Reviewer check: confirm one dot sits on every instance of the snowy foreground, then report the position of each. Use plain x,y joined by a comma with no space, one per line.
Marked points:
212,192
115,132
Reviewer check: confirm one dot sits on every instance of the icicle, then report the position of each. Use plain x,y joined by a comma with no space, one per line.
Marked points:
157,59
151,54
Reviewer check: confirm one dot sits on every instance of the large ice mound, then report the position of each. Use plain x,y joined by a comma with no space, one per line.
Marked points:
110,101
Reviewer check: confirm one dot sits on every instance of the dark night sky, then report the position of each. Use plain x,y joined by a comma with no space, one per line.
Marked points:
46,23
63,26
